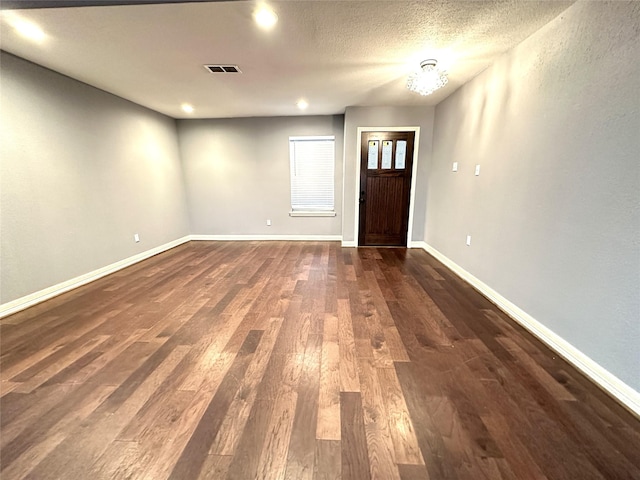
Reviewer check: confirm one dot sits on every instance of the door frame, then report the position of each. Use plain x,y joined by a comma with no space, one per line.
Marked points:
414,170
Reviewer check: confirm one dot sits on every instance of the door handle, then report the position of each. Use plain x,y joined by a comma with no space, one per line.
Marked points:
362,196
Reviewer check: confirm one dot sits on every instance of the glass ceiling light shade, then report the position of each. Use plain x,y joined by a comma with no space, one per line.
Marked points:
429,79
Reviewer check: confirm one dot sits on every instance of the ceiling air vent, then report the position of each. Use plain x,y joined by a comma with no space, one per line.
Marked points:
223,68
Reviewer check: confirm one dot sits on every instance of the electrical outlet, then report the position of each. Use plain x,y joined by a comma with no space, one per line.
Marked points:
136,237
455,166
477,170
268,223
468,240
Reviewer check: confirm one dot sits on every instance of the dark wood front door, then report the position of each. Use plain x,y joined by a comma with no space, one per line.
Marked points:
385,187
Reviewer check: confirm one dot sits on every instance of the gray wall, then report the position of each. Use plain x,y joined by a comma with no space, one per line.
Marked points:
555,213
81,171
237,175
385,117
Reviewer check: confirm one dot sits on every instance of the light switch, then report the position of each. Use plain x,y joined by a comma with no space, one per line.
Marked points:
477,170
469,240
455,166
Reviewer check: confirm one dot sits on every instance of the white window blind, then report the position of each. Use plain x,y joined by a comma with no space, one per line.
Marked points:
312,173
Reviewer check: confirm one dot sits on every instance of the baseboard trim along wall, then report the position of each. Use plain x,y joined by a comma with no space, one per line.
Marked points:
27,301
301,238
626,395
55,290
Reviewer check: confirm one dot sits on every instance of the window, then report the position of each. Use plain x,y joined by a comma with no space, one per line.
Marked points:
312,175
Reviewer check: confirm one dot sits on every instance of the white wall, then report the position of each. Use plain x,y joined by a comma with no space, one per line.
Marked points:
81,171
385,117
555,213
237,175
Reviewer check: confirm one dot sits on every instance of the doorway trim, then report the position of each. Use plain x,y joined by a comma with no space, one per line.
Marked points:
414,170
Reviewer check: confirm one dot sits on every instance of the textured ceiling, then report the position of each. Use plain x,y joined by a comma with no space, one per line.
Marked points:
333,53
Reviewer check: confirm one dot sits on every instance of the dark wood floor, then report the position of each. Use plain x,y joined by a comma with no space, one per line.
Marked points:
274,360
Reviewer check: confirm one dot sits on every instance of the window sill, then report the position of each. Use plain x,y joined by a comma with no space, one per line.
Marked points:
311,214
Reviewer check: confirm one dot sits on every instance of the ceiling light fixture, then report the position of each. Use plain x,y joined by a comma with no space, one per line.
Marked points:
26,28
428,79
265,17
187,108
302,104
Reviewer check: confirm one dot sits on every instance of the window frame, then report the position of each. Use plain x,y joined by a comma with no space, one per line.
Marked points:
311,212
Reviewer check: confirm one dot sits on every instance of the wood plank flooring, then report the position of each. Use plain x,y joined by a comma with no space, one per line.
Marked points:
295,360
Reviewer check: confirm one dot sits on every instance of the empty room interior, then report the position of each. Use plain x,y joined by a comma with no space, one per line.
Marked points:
309,239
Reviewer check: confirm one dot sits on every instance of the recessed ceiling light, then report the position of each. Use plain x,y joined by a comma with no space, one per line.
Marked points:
302,104
27,29
265,17
187,108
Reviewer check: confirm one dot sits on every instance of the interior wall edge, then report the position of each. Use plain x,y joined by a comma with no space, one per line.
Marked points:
627,396
34,298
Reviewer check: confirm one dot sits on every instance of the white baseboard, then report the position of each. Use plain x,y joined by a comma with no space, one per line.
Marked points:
626,395
303,238
50,292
